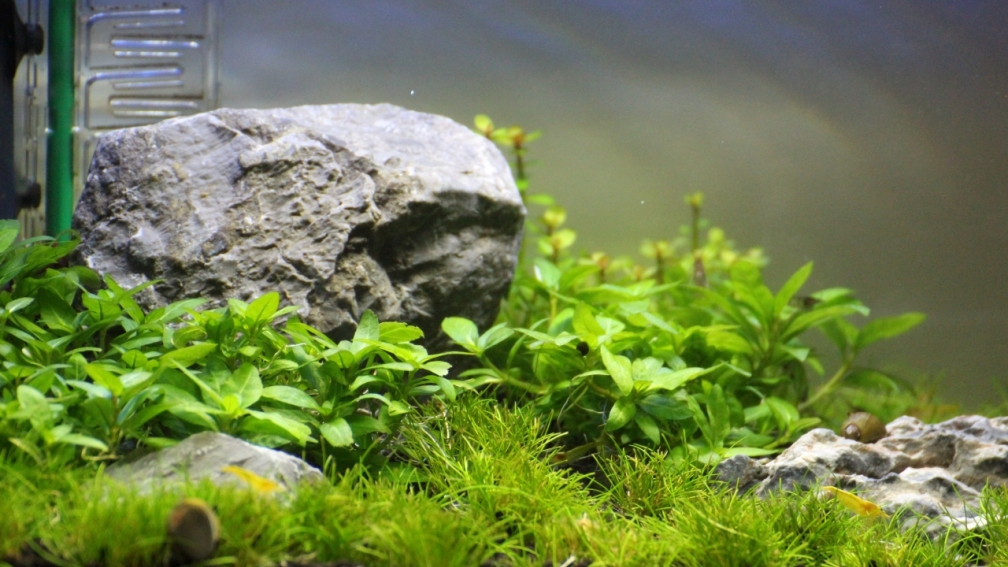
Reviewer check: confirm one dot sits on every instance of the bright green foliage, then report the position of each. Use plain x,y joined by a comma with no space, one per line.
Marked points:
88,373
695,355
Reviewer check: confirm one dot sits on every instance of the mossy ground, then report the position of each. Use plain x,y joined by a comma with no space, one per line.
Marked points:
478,488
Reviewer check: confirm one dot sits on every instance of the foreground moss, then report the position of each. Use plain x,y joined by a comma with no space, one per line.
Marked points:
475,486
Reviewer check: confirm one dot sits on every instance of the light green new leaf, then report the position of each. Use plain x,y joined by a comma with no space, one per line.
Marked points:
368,328
547,273
584,322
621,413
185,357
290,396
675,380
791,287
394,332
620,370
245,384
395,407
261,310
9,230
462,331
82,441
437,367
337,432
103,377
887,327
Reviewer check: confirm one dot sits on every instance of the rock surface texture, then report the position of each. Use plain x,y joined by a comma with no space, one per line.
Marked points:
340,208
936,472
204,455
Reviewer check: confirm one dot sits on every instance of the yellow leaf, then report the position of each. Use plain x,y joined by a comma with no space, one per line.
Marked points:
255,482
856,504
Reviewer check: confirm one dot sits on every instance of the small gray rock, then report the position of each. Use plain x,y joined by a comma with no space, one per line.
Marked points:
340,208
204,455
931,473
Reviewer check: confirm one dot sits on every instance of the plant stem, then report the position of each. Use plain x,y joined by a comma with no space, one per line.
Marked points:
830,384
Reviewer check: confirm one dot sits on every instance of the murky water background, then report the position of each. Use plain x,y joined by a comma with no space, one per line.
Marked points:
871,137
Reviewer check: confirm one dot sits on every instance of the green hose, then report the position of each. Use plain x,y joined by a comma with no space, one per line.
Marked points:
59,163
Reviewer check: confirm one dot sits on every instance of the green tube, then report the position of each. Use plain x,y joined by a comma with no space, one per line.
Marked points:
59,161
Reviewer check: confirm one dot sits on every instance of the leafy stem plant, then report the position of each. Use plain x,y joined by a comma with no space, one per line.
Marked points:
694,355
85,368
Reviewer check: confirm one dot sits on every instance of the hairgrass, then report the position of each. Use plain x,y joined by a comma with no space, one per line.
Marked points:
483,492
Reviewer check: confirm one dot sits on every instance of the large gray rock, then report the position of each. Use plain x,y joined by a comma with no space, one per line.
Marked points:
931,474
340,208
205,455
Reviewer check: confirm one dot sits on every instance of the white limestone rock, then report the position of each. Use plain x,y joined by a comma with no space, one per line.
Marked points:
930,474
205,455
340,208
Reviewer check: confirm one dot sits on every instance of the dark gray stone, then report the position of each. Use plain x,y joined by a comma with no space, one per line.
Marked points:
204,455
926,474
340,208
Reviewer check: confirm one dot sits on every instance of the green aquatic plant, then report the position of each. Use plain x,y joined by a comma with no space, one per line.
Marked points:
693,354
88,374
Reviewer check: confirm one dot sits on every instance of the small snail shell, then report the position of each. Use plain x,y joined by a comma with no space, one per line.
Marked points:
863,427
193,530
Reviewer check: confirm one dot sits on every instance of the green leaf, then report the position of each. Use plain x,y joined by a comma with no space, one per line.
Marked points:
396,407
675,380
493,336
9,230
337,432
840,332
748,284
446,387
104,378
462,331
719,414
296,430
394,332
368,328
245,384
82,441
664,407
648,427
437,367
887,327
584,322
816,316
185,357
290,396
791,287
547,273
55,312
261,310
18,304
621,413
620,370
